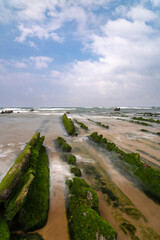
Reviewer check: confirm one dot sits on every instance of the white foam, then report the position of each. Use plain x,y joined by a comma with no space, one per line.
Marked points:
59,172
84,160
5,153
11,144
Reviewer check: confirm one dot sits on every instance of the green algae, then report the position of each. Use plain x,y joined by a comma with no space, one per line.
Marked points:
65,147
76,171
112,193
83,218
135,167
69,158
4,230
28,236
69,125
82,125
12,177
34,212
146,119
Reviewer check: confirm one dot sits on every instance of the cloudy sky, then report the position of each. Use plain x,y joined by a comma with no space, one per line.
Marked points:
79,53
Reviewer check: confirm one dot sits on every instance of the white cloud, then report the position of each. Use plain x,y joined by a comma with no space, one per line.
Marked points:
32,44
41,61
20,65
141,14
41,19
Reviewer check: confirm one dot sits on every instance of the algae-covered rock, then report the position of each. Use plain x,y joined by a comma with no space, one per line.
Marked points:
16,203
4,230
83,218
12,177
69,158
79,188
28,236
76,171
65,147
69,125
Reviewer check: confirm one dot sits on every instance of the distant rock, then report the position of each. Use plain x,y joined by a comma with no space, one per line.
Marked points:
32,110
117,109
67,112
7,112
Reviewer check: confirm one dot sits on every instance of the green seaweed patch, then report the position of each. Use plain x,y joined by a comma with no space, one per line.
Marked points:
65,147
102,125
128,229
82,125
12,177
141,123
14,205
139,169
149,233
69,158
146,119
69,125
4,230
85,223
76,171
28,236
114,195
79,188
82,213
33,215
144,130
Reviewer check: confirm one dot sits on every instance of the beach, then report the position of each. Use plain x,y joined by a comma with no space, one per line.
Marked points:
18,127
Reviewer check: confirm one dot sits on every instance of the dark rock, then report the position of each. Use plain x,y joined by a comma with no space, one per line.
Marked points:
117,109
7,112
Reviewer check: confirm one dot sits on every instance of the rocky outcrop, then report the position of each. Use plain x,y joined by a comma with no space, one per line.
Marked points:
7,112
117,109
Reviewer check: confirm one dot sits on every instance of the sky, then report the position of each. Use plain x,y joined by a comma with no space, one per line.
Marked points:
84,53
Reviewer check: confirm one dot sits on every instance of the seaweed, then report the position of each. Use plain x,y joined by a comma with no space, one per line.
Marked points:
69,158
146,119
12,177
69,125
76,171
28,236
65,147
34,212
140,170
4,230
82,213
82,125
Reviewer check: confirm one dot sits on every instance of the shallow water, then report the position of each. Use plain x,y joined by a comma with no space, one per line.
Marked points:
17,128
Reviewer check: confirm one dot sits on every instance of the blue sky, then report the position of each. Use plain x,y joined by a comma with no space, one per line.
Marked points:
79,53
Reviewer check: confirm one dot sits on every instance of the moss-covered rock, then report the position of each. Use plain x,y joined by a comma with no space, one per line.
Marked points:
65,147
28,236
151,184
76,171
86,224
82,125
12,177
69,158
69,125
4,230
14,205
83,218
34,213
